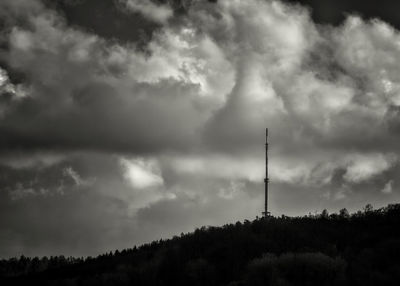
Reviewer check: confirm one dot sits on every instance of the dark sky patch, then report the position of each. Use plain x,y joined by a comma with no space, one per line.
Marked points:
106,18
335,11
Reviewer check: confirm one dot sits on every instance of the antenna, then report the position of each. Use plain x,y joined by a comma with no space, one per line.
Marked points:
266,180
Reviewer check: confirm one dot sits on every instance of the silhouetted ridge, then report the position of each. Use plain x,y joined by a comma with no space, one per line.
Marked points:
337,249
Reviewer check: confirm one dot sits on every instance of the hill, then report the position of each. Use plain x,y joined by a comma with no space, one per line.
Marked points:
337,249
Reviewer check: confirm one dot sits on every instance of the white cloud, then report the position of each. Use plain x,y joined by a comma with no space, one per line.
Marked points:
3,77
218,166
142,173
5,84
157,13
286,173
362,167
231,191
388,188
370,50
78,180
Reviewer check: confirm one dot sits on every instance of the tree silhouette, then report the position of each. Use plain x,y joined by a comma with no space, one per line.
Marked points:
322,249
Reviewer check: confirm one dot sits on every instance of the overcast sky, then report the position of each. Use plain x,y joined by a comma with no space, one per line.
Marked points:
125,121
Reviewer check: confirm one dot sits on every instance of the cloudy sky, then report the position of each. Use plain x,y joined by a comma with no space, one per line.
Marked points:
125,121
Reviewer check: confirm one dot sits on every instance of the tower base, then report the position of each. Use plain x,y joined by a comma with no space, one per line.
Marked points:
266,214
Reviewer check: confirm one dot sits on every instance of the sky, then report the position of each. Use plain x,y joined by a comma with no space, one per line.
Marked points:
127,121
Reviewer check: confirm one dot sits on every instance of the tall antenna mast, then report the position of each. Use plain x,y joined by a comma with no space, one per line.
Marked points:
266,180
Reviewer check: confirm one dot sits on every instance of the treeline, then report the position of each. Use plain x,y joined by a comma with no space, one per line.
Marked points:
322,249
26,265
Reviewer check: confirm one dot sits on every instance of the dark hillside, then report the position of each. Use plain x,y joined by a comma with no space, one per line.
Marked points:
337,249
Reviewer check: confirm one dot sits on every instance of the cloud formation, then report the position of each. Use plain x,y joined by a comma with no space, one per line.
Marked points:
157,13
160,139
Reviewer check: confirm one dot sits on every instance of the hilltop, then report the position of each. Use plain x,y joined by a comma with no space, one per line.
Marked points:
337,249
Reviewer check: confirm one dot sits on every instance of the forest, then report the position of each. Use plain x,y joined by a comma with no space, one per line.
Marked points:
362,248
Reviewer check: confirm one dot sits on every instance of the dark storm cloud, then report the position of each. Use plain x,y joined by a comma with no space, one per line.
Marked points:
98,119
147,143
78,223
